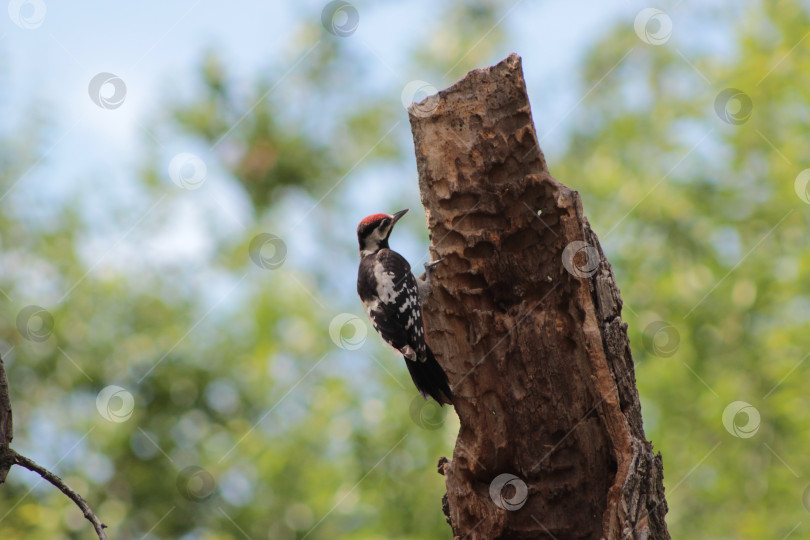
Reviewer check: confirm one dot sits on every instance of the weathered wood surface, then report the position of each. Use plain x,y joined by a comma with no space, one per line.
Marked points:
525,316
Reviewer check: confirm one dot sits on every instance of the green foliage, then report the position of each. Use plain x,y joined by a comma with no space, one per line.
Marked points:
248,420
702,224
262,154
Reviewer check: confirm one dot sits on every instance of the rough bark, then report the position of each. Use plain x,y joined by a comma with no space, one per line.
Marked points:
525,316
6,426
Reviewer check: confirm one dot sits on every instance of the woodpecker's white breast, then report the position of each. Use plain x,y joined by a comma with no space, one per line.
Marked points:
386,285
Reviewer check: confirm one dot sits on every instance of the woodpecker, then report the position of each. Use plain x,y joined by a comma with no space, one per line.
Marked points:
390,295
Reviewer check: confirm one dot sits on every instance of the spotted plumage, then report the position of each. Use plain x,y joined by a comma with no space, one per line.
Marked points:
391,300
390,296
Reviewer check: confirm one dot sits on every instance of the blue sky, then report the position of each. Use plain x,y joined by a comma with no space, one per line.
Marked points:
156,47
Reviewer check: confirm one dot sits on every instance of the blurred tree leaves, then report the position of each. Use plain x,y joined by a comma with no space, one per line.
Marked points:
262,154
231,367
692,193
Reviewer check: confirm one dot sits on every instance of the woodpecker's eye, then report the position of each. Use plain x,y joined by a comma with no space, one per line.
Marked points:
385,222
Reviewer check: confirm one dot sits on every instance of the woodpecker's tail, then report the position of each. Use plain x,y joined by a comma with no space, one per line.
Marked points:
430,379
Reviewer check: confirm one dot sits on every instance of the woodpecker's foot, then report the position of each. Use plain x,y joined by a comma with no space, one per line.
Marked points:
429,265
423,283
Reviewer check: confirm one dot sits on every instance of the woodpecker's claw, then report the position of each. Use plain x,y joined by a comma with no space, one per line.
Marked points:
423,283
429,265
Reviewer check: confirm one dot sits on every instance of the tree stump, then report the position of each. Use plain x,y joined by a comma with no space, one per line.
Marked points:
525,317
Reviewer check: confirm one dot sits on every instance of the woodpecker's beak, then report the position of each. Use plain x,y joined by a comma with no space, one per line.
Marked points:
398,215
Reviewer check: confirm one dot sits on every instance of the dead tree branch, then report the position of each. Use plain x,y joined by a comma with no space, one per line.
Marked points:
9,457
525,316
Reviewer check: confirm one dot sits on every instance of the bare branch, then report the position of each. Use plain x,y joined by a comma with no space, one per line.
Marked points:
9,457
31,465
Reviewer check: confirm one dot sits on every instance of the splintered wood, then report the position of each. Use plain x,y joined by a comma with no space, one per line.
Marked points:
525,317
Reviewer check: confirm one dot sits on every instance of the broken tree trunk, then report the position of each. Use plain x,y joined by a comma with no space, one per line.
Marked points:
525,316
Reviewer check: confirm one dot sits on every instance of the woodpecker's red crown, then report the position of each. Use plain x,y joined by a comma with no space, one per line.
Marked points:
373,218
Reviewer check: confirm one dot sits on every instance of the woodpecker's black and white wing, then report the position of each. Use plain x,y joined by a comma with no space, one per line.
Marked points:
389,293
